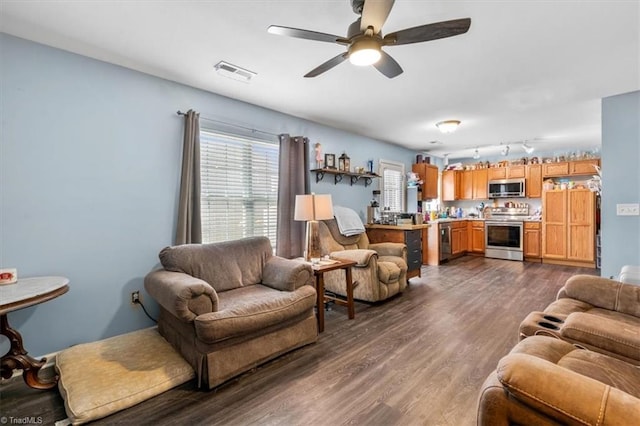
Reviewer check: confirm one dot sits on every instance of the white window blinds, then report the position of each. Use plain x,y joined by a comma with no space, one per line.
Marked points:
392,185
239,187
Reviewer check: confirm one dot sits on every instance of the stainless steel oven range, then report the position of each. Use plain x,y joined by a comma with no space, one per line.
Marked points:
503,232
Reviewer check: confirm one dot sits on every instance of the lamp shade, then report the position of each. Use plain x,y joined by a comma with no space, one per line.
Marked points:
313,207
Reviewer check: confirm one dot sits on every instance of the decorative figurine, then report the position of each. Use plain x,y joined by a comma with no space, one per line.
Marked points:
319,160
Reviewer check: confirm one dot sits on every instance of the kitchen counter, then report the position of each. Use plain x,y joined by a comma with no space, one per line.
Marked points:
414,237
398,227
455,219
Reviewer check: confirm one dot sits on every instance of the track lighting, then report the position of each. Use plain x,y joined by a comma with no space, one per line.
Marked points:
505,151
527,148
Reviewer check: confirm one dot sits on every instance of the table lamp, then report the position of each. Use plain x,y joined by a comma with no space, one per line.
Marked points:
312,208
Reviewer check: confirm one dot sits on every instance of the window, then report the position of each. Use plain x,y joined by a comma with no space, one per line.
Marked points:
239,187
392,185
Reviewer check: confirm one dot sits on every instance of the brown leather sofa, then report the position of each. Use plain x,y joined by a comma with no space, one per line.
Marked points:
546,381
228,307
381,269
600,314
577,362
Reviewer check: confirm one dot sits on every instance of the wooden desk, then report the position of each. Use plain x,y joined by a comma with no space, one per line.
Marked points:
26,292
318,271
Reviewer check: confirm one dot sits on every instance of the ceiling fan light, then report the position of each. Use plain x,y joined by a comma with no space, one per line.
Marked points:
448,126
364,52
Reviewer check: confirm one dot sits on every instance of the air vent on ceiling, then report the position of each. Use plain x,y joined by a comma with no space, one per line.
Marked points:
234,72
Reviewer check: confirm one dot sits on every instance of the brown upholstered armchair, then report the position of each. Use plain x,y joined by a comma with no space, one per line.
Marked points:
381,270
228,307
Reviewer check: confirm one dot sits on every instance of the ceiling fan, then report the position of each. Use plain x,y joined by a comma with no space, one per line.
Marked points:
364,40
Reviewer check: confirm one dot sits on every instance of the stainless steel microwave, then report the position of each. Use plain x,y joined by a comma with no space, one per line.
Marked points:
506,188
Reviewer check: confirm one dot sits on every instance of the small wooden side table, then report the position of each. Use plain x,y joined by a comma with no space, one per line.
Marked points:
24,293
318,271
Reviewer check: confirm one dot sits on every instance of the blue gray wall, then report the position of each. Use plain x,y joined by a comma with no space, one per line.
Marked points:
89,167
620,181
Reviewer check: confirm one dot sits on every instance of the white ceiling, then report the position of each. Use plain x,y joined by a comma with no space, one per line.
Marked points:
526,70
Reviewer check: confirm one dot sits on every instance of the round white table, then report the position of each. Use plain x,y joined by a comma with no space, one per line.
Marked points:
24,293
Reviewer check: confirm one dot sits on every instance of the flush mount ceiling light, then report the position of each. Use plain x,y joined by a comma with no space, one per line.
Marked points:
448,126
527,148
505,151
365,51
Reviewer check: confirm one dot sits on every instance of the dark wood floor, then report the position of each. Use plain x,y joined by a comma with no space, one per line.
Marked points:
418,359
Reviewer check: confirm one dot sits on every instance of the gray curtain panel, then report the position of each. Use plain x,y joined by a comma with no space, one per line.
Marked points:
189,228
293,179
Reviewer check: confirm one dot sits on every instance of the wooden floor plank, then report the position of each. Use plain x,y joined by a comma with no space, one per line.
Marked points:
417,359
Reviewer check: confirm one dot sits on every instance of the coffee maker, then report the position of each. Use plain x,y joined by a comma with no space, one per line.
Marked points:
373,210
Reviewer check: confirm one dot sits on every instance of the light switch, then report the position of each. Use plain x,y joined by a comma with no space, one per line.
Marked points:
628,209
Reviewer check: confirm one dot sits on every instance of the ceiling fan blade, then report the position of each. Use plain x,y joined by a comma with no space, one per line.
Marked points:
428,32
375,13
336,60
306,34
388,66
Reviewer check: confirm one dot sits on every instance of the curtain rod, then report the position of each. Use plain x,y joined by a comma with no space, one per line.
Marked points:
233,125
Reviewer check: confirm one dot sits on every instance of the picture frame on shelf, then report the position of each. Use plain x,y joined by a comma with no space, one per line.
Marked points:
330,161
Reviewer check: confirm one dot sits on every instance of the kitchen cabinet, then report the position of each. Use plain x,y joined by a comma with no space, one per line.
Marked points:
413,236
555,169
570,168
466,185
496,173
450,185
583,167
509,172
554,225
533,184
476,236
568,227
514,172
429,176
480,181
459,237
531,242
473,184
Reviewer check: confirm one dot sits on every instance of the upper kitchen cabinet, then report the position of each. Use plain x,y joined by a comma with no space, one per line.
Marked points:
473,184
480,181
583,167
450,185
570,168
510,172
429,176
533,185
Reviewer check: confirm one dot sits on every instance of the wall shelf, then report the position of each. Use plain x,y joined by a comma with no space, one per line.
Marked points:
338,175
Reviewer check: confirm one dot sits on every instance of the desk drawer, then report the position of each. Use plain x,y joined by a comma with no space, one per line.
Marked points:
413,240
414,261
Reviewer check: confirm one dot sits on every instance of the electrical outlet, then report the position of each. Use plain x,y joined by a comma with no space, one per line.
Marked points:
135,297
628,209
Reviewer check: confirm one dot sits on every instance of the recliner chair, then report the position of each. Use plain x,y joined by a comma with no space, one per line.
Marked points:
381,270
